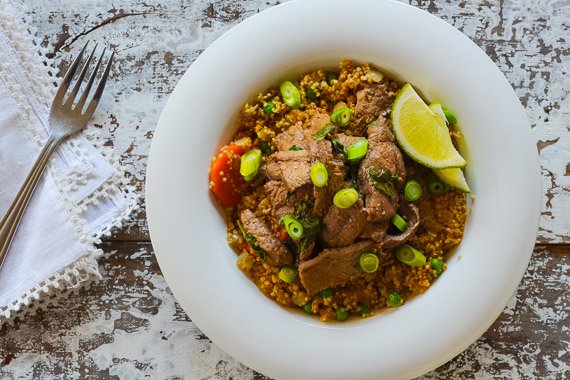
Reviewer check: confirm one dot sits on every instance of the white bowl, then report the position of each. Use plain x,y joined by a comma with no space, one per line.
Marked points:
189,234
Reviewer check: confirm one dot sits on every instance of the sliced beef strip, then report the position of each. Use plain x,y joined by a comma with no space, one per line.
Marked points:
382,154
266,239
292,167
282,200
332,267
317,122
412,216
342,226
294,136
375,231
373,101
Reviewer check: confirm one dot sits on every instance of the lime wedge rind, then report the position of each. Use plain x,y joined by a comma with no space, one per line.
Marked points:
420,133
453,177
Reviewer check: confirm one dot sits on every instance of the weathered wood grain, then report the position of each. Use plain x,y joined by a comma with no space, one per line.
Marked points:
130,326
157,41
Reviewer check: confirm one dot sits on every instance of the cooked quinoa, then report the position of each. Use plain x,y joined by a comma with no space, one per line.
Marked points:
440,230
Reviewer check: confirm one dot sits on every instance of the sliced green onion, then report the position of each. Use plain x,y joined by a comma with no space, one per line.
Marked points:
341,314
369,262
293,227
265,147
374,76
250,163
319,174
345,198
437,187
357,150
341,116
399,222
412,191
308,308
310,93
250,177
411,256
327,293
450,116
288,274
437,265
330,76
394,299
291,95
268,108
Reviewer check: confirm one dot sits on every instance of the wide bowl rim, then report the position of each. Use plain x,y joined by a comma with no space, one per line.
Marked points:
161,157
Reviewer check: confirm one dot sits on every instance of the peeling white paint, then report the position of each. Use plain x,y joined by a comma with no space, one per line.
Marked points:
524,38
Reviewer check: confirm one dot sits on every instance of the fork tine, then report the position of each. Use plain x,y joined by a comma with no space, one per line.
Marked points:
79,80
100,87
87,89
68,77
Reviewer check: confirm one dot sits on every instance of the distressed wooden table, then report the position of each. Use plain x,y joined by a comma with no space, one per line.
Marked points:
130,326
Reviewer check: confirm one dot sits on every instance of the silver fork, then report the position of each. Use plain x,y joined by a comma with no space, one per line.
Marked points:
65,120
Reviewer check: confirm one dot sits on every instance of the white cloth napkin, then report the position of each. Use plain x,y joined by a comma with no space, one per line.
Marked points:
79,198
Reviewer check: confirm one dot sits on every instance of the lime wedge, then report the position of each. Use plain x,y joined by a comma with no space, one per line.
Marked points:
437,109
421,134
453,177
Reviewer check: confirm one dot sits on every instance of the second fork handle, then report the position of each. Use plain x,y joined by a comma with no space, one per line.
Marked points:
13,216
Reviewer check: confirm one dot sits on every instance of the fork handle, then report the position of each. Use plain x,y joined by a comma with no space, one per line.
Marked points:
13,216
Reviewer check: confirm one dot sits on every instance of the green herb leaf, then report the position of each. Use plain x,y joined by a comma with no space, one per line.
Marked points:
295,148
365,128
338,147
384,181
265,147
302,208
324,131
310,93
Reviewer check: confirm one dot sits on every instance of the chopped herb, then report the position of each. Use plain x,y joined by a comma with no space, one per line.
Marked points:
327,293
311,225
311,228
352,171
341,314
324,131
330,76
295,148
268,108
305,243
252,242
364,310
302,208
365,128
265,147
338,147
310,93
384,181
